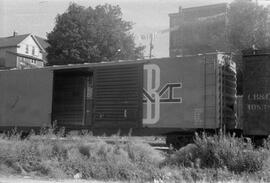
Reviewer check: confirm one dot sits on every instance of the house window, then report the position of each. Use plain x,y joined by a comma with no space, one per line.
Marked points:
33,50
33,61
27,49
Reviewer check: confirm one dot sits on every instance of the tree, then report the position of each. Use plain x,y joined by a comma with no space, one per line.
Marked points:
247,28
91,35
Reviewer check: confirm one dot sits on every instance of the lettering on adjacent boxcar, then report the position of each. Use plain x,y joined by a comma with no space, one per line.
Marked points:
258,101
154,95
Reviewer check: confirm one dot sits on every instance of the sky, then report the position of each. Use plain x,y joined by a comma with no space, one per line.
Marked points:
149,16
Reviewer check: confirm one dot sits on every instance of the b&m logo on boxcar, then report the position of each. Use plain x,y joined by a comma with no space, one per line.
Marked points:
155,95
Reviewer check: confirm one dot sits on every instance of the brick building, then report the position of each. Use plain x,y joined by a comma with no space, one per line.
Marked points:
193,30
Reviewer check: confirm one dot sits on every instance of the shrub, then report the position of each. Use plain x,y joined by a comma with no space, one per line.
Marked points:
117,161
219,151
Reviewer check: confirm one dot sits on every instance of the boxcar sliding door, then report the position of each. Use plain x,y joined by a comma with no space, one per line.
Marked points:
72,98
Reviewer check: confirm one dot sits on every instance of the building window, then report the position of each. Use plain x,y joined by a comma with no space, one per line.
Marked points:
27,49
33,61
33,50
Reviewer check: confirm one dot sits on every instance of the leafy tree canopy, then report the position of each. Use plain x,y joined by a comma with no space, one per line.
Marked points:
247,29
242,26
247,25
91,35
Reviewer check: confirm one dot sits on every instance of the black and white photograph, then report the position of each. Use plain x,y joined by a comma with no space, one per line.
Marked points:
139,91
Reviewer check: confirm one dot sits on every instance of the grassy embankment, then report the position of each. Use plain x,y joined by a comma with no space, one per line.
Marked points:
210,158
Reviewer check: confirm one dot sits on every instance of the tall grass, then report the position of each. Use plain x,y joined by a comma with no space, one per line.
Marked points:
66,158
210,158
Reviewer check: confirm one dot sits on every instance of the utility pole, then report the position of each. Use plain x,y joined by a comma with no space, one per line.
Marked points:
255,28
151,46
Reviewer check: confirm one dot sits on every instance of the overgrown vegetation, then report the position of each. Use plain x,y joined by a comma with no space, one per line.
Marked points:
82,156
220,151
210,158
221,157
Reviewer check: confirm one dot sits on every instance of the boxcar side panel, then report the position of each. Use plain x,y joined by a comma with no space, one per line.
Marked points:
181,93
256,95
26,98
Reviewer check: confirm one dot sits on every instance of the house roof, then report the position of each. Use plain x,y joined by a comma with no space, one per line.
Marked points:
43,42
15,40
12,40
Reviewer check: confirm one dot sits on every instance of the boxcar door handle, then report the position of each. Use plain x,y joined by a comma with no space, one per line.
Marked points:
125,113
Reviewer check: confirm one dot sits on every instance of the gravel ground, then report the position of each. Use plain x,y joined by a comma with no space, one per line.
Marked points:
26,179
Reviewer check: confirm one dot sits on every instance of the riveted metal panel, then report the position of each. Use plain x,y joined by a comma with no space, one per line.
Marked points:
181,93
26,98
118,96
189,92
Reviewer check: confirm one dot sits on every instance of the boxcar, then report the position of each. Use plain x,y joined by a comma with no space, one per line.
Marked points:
256,95
156,96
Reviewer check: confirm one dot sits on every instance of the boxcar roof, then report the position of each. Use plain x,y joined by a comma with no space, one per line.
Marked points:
111,63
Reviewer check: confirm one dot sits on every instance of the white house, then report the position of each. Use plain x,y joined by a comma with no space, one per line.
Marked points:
22,51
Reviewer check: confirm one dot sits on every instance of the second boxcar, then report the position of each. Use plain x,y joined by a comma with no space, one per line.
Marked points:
256,94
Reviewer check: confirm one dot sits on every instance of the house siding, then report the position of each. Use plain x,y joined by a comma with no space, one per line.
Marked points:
4,50
31,43
6,59
9,59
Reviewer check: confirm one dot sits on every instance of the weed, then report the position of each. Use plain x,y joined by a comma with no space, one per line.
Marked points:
219,151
